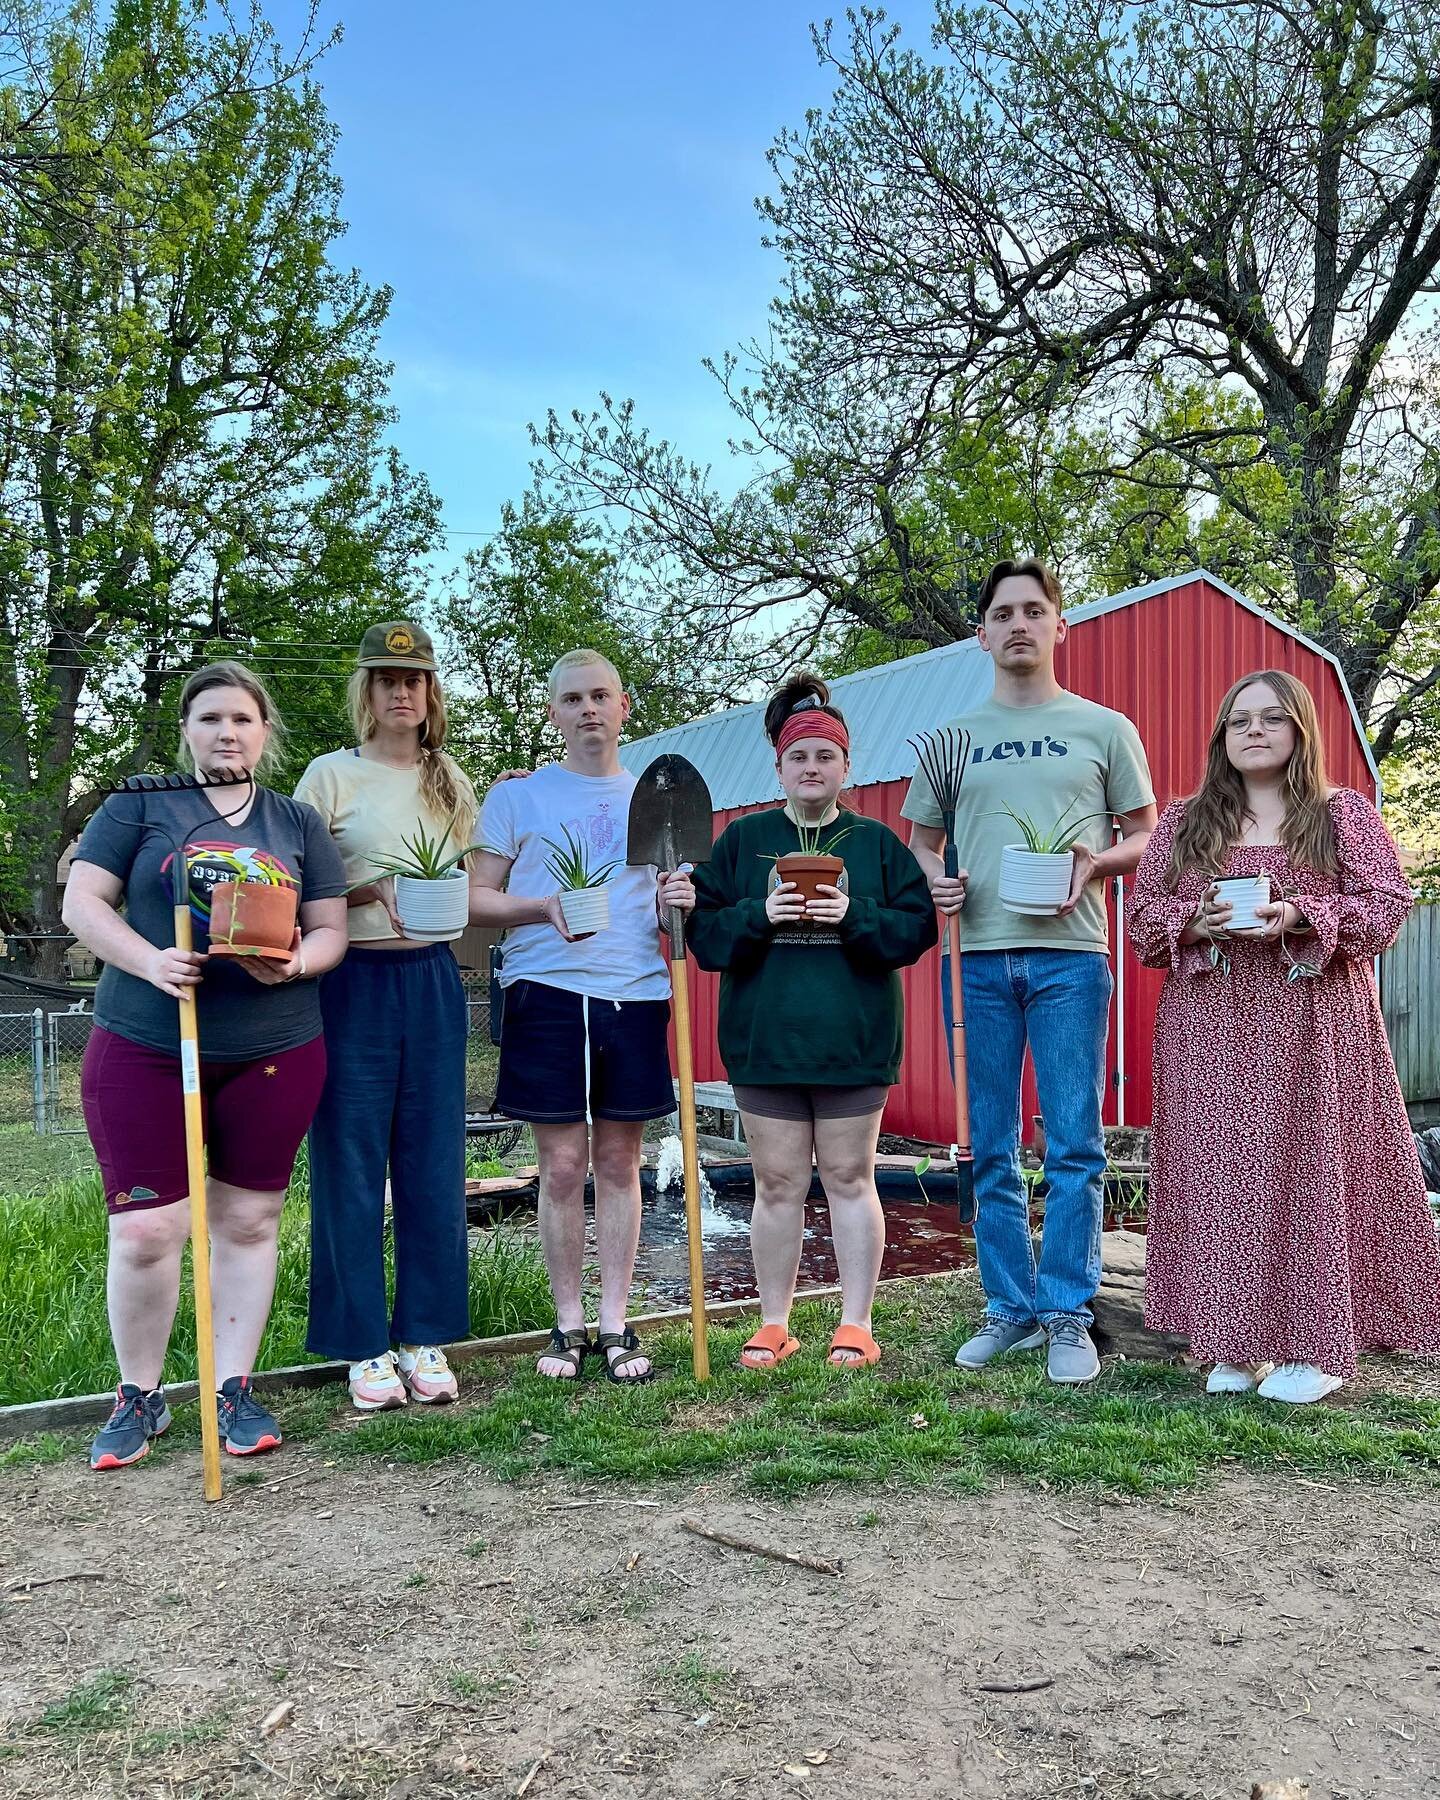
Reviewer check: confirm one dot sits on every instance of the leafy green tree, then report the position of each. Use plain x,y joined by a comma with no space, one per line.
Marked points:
544,585
192,404
1200,237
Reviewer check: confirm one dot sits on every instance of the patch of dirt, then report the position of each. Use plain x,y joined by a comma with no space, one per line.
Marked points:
441,1634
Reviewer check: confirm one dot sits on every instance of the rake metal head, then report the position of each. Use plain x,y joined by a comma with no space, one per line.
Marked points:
943,755
176,782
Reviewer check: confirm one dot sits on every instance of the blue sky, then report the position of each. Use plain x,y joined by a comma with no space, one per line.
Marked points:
561,197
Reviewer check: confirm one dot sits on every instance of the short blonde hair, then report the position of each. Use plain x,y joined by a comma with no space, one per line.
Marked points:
579,659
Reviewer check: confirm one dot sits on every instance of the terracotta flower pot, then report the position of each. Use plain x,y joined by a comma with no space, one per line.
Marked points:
808,872
253,918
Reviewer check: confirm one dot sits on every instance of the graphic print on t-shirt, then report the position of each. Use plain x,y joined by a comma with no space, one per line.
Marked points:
599,835
214,861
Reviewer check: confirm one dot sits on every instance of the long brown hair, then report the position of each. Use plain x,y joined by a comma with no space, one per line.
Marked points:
1215,813
444,786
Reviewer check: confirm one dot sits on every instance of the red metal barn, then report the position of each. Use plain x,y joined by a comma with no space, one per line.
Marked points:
1163,655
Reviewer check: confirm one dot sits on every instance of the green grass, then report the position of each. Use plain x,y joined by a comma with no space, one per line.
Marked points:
98,1704
915,1420
55,1334
693,1681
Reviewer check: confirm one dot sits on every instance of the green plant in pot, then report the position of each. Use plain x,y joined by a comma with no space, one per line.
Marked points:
432,890
815,863
1035,874
584,894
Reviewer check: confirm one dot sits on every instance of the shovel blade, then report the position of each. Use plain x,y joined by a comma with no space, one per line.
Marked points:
671,818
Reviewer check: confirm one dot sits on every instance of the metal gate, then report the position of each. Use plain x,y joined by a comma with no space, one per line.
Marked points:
40,1058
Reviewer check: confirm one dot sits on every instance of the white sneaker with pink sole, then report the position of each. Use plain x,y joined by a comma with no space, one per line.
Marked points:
427,1375
375,1385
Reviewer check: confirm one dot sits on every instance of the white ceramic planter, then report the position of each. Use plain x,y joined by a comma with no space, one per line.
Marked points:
1245,893
433,912
1037,885
586,910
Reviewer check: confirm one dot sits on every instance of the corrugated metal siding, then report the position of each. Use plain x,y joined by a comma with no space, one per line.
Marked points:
1410,990
1163,656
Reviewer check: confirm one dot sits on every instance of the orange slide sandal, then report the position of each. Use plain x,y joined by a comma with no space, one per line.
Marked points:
851,1337
772,1339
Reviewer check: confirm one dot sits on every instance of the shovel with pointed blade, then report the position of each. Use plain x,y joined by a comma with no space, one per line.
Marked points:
671,822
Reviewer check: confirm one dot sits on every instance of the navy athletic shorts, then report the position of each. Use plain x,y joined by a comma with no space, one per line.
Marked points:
542,1057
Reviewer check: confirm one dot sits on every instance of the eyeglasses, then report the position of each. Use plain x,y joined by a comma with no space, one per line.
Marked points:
1267,721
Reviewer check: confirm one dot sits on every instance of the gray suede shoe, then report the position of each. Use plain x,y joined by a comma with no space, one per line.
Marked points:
1073,1358
998,1337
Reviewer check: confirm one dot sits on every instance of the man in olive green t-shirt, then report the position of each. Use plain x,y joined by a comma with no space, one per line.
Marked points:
1041,980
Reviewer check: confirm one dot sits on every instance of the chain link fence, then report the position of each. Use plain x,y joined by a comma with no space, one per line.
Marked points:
42,1049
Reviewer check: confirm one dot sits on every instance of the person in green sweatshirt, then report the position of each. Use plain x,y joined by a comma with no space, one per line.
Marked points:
811,1018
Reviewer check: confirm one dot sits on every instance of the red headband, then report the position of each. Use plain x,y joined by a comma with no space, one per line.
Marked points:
810,722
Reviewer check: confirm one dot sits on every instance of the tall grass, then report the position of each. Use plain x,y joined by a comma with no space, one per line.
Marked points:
55,1335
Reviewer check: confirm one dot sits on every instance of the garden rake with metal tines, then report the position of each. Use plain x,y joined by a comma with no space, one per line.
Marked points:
194,1117
943,756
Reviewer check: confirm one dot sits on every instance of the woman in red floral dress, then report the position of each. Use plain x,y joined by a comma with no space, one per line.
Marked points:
1288,1222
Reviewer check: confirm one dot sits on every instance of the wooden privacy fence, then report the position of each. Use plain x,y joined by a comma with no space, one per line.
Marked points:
1410,997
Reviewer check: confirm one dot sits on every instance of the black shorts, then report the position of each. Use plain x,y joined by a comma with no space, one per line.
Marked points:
543,1053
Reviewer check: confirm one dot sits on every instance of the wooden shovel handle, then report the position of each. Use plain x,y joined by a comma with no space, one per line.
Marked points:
690,1149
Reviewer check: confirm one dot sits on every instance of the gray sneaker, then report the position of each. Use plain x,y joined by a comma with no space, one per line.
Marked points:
126,1435
998,1337
1073,1358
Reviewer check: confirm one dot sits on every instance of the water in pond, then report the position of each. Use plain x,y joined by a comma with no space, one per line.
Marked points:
921,1238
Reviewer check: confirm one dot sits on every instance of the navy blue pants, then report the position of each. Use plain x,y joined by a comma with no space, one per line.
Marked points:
395,1025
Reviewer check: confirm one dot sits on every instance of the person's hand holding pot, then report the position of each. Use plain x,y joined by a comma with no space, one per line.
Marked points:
1082,873
1211,920
174,971
270,973
380,892
785,905
1282,919
829,906
553,913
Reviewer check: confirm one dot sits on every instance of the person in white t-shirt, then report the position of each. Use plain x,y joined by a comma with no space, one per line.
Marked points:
584,1056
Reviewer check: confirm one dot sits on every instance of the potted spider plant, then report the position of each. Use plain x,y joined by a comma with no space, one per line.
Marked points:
1035,874
812,866
584,896
432,891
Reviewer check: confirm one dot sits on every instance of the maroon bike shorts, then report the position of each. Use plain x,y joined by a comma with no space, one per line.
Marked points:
255,1115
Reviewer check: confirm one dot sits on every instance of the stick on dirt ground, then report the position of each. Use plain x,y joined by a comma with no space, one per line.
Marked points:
1015,1687
817,1564
35,1581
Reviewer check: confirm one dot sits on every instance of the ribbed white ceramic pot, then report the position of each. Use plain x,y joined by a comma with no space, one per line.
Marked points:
433,912
586,909
1245,893
1034,884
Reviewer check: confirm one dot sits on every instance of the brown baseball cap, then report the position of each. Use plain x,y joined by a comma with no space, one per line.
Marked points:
397,644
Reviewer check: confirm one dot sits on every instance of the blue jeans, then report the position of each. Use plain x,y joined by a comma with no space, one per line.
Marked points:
1058,1000
395,1027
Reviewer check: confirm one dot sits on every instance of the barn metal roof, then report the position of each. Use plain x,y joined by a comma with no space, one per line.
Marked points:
886,706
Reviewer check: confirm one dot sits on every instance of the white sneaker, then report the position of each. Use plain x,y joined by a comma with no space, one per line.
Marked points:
374,1384
1230,1378
1299,1384
426,1374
